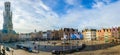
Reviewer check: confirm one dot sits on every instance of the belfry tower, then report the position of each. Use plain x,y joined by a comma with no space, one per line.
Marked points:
7,14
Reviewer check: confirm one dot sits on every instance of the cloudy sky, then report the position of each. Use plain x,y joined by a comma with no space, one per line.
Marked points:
29,15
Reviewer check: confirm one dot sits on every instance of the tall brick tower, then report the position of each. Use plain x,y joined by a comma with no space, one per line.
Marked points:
7,14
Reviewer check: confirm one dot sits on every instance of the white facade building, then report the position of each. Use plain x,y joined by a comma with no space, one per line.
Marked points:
24,36
89,34
44,35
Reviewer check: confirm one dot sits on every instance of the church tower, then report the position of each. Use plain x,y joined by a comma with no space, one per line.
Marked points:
7,15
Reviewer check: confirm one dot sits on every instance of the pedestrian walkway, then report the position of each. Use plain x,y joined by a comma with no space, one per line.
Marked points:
23,52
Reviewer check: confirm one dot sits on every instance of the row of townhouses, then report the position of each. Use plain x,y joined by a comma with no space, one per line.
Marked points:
104,34
67,33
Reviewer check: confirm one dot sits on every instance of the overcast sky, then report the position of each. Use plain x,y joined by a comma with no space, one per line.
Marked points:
55,14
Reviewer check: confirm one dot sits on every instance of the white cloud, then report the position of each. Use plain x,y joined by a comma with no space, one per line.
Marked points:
98,5
107,1
106,16
29,15
71,2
